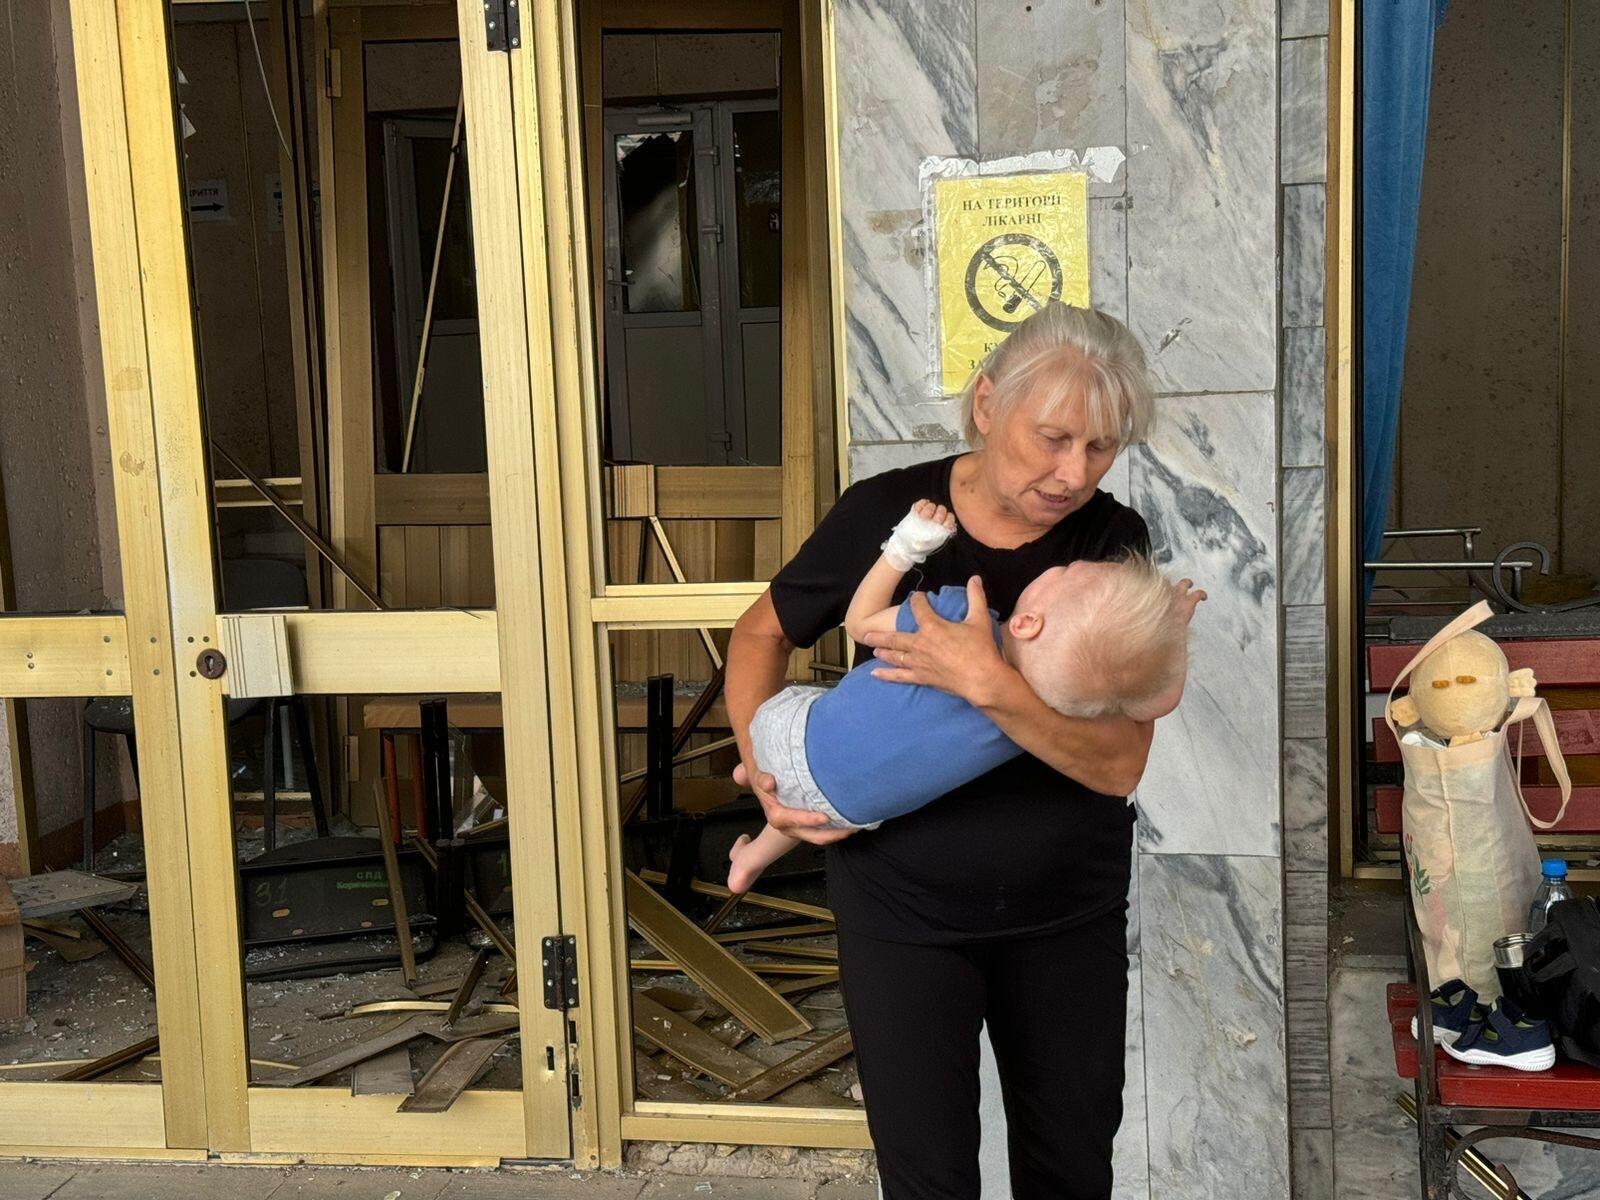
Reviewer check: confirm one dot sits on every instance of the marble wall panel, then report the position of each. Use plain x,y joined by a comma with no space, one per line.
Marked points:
1202,231
1216,1091
1205,484
907,90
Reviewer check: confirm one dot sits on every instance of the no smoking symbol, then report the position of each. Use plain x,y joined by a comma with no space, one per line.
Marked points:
1010,278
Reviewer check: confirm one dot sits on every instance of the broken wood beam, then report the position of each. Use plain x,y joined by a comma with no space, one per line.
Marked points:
759,968
821,953
701,1052
723,977
469,984
793,1069
386,1074
110,1062
120,948
774,932
776,903
348,1054
452,1074
396,885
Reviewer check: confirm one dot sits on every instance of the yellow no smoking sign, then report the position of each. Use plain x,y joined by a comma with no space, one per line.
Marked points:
1005,247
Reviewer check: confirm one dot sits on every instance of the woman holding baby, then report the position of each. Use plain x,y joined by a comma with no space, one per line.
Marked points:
1005,900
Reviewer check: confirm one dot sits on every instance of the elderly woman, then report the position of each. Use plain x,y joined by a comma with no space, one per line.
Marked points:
1003,902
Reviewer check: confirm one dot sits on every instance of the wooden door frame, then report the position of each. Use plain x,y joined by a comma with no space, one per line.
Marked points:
813,362
164,502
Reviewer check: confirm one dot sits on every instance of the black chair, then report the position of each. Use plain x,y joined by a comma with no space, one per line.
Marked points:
247,583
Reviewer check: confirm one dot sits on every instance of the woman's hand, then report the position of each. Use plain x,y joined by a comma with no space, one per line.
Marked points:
798,823
958,657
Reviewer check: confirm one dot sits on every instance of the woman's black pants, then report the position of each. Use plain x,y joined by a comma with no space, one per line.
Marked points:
1056,1007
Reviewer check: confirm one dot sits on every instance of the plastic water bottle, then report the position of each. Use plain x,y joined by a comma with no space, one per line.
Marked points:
1553,889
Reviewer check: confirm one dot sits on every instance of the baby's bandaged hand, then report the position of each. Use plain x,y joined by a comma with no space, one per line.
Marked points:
914,539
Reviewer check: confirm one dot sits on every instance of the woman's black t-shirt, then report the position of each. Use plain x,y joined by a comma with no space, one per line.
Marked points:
1020,850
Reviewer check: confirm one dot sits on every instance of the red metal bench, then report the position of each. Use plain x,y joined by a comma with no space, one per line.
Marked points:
1504,1103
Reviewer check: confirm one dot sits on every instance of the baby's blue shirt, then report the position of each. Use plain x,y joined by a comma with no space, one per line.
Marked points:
879,750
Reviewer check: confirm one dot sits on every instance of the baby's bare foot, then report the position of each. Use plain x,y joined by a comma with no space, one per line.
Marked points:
742,874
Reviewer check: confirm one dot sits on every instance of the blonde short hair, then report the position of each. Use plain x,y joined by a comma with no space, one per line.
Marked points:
1069,354
1113,647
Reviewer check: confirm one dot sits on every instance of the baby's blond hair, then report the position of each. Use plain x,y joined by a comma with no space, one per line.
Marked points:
1114,647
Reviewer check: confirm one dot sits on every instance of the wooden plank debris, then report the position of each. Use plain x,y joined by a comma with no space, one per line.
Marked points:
724,978
116,1060
131,957
663,1080
396,885
348,1054
760,968
795,987
452,1074
483,1025
71,946
386,1074
820,953
469,984
772,932
776,903
66,891
795,1068
701,1052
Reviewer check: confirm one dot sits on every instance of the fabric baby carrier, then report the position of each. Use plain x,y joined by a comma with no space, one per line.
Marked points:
1470,855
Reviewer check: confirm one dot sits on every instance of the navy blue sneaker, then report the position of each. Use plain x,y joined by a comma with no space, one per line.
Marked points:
1507,1037
1455,1010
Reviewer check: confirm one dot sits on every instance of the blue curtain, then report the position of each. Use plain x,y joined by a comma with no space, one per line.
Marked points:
1396,78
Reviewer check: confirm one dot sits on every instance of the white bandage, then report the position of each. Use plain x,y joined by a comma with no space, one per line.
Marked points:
913,540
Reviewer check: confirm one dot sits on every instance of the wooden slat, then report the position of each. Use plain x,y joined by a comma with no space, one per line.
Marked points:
420,499
775,903
480,551
1555,661
342,653
709,492
1578,732
455,566
241,493
451,1074
690,1044
482,1127
392,565
1583,814
792,1070
422,567
121,1118
356,1049
63,656
724,978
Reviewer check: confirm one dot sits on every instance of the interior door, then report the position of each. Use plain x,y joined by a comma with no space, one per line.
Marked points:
664,337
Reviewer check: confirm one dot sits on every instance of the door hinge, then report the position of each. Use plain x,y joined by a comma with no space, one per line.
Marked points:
333,77
560,955
502,24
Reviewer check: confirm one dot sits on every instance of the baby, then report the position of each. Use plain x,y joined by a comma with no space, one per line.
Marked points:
1092,639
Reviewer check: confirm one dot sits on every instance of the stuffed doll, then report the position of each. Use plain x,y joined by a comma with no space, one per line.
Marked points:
1462,690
